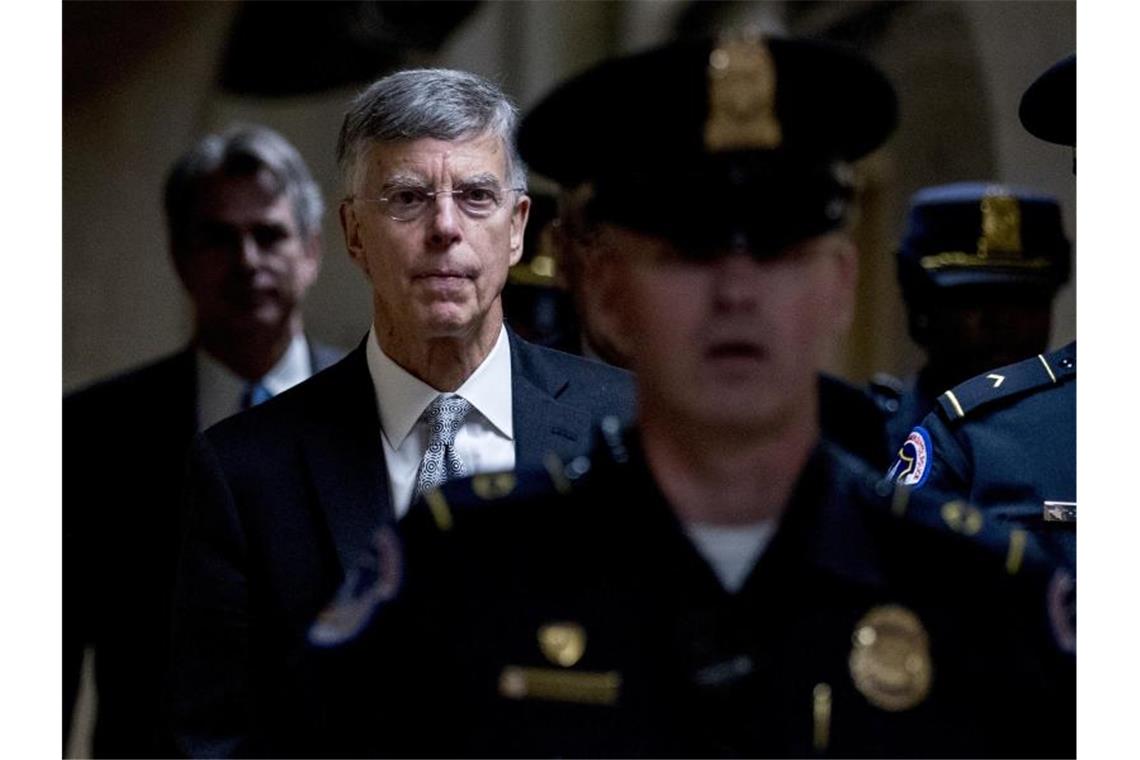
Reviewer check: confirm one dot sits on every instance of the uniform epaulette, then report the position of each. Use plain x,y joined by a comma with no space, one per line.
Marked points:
1040,371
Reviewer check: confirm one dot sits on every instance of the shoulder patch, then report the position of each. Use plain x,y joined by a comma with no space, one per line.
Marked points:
1040,371
912,464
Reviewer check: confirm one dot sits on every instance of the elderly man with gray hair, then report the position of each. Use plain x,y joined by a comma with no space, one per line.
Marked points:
243,215
286,498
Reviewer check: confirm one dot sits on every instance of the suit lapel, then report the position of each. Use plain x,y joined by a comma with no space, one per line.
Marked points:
346,458
542,423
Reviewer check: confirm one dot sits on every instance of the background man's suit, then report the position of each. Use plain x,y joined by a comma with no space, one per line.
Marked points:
288,496
125,444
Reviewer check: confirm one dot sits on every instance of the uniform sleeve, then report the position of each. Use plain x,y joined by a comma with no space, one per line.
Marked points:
210,679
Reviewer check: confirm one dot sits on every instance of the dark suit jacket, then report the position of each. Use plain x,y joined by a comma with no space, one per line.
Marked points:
125,442
288,496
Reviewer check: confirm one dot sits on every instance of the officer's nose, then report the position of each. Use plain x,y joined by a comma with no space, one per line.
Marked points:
734,282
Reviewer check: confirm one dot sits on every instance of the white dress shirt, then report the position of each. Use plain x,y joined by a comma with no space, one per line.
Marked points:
220,390
486,440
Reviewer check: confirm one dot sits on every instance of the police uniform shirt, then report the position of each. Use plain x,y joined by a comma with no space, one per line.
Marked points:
220,390
485,441
586,623
1006,442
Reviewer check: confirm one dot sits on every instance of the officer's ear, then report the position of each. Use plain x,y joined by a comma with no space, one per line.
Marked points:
605,271
846,261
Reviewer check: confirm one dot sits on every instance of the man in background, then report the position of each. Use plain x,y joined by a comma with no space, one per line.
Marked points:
243,217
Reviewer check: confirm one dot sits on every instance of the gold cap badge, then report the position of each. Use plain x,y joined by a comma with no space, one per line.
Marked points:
742,96
890,658
562,643
1001,226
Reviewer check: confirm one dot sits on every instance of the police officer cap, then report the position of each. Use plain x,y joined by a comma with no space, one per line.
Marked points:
978,234
736,143
1049,107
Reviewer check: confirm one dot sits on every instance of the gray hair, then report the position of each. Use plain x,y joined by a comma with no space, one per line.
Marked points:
442,104
242,150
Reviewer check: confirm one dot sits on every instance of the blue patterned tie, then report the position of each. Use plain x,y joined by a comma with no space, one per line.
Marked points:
441,462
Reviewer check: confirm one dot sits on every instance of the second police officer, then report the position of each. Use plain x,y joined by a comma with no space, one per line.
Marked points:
1005,440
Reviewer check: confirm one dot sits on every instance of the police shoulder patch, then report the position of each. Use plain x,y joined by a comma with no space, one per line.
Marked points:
912,464
374,580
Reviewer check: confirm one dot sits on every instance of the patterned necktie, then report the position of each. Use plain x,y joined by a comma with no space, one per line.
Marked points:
441,462
254,394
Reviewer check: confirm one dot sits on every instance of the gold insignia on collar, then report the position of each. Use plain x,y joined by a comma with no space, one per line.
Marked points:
516,682
742,96
1001,226
562,643
494,485
962,518
890,658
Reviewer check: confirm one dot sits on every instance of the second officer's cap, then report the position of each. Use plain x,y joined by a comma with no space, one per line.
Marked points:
743,142
977,234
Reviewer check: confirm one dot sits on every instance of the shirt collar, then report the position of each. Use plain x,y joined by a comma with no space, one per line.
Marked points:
403,397
220,388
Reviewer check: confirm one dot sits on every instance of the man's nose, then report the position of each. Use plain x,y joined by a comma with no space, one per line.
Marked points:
248,251
444,229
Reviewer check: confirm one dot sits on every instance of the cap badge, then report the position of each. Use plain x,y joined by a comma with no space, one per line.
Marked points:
1001,227
562,643
742,96
890,658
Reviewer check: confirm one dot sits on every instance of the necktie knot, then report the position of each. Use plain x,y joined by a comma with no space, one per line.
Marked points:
441,461
254,394
444,417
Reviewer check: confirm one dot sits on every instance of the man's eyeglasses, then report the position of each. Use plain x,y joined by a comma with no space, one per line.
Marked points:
407,204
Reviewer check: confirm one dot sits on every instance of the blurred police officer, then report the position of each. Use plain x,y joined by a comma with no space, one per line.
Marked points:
1006,439
719,581
979,266
244,216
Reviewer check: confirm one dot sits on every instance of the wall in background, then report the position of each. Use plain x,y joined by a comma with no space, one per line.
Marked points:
141,82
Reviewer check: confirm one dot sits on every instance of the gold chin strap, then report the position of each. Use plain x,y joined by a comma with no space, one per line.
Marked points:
742,95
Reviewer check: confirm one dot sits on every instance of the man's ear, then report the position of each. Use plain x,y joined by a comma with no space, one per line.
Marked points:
519,216
353,241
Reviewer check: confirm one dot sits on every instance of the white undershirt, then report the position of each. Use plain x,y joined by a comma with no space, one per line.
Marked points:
485,442
731,551
220,389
